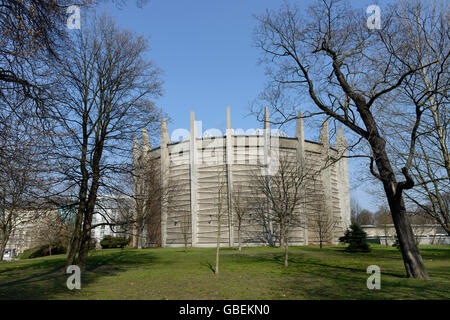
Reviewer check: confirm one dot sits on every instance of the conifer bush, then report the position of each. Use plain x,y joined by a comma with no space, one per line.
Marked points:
356,237
114,242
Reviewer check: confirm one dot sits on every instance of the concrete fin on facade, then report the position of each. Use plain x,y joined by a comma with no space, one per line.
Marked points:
301,162
266,119
229,165
136,151
146,146
341,141
164,178
324,138
193,153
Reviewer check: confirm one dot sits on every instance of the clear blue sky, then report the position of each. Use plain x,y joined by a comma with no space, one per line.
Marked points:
206,51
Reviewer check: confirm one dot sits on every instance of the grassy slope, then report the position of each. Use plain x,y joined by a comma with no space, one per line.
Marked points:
256,273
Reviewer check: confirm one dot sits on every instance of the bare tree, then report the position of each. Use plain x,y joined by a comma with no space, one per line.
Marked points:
260,217
147,195
33,33
431,194
382,220
107,85
425,26
180,211
151,194
221,202
355,208
185,229
283,191
21,178
328,53
322,223
240,210
359,215
50,230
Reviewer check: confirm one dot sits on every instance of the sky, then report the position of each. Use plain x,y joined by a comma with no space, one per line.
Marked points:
209,62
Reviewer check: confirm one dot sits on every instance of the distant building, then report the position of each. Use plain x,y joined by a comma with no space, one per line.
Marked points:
110,211
25,233
32,225
424,234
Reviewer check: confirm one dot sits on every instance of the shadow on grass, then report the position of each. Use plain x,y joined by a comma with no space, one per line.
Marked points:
318,279
430,252
209,266
45,278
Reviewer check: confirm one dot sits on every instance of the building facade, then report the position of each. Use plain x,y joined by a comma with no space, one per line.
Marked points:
109,215
31,228
424,234
34,228
200,175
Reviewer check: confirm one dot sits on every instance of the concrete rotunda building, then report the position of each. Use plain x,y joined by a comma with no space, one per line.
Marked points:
192,170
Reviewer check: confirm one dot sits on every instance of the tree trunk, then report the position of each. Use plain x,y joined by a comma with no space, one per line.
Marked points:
86,233
286,252
73,248
2,249
90,207
282,234
218,247
6,233
412,259
385,235
75,239
82,195
414,266
139,229
138,238
217,258
239,238
84,250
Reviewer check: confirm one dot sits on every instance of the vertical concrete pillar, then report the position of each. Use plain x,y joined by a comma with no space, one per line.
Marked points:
229,165
144,162
136,183
301,163
146,146
136,166
193,159
164,175
300,135
326,171
266,142
136,152
343,178
266,168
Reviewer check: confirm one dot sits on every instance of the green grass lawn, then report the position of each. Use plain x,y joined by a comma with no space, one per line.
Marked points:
255,273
